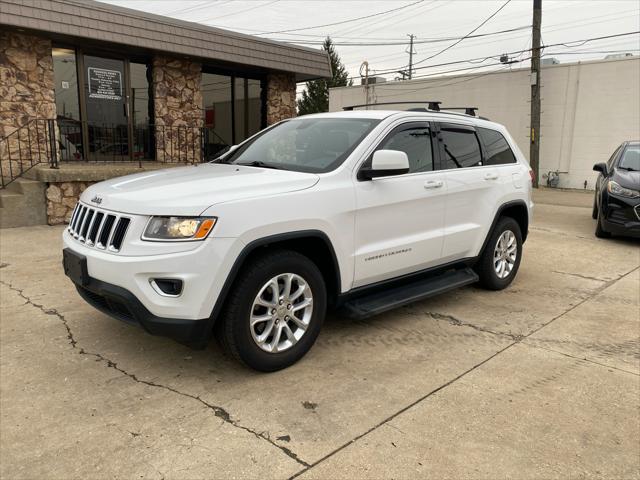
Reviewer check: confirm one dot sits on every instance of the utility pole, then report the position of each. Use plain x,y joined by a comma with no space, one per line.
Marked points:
411,37
534,146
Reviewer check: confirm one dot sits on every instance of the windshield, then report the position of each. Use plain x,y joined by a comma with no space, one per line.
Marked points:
631,158
314,145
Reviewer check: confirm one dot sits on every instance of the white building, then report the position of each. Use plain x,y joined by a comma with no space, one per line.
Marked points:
588,108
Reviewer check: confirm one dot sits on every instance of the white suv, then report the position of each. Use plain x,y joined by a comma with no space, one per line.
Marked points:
359,211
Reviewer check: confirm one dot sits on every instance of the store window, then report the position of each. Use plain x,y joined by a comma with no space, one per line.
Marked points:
67,104
217,109
141,110
232,110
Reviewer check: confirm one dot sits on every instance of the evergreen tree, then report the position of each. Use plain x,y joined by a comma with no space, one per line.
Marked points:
315,97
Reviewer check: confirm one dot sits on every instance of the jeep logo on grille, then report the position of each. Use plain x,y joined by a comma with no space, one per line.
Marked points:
97,200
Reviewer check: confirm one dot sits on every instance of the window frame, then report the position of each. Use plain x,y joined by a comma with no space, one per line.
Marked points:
409,125
485,150
459,126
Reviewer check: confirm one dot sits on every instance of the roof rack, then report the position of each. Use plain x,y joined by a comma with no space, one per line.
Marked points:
432,106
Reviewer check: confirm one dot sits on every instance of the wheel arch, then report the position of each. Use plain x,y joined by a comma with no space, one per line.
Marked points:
314,244
516,209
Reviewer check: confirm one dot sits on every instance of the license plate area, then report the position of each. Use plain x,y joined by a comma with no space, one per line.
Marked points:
75,267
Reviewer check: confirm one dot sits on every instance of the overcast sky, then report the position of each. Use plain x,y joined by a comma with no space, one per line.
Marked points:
563,21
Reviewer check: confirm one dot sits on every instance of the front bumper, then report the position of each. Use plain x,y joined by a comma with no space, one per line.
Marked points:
121,304
203,268
621,216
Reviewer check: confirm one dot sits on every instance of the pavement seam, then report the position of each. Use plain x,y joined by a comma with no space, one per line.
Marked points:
218,411
518,340
581,358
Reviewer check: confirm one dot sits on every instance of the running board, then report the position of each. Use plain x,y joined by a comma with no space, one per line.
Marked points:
394,297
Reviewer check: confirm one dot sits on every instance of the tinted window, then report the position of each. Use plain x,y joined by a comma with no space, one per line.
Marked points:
416,143
461,148
306,144
498,151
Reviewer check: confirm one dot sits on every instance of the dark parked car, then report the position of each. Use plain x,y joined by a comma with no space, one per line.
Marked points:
617,203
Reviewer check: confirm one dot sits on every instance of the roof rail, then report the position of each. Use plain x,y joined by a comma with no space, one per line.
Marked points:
433,105
467,110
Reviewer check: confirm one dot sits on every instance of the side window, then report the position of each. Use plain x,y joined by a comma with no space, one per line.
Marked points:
461,147
498,150
416,143
612,158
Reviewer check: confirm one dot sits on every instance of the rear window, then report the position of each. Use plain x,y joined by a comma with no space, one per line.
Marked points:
498,150
461,148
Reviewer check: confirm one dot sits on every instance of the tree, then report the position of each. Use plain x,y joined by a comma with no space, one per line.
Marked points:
315,97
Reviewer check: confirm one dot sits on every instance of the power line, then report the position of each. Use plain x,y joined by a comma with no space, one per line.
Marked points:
345,21
401,42
467,35
566,44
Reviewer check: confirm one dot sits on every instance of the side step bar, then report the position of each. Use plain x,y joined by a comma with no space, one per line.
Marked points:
373,304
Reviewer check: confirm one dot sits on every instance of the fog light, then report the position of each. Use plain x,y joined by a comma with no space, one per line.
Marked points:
168,287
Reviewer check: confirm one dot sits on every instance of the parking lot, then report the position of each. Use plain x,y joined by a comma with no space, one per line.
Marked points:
539,380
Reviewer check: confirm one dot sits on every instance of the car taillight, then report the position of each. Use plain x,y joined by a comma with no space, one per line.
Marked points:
533,176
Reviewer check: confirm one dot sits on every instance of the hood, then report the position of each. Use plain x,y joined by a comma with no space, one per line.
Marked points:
191,190
627,179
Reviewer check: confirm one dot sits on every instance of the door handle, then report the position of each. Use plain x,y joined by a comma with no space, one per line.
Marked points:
433,184
490,176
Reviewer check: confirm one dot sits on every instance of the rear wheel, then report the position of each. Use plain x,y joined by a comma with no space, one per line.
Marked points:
500,260
274,313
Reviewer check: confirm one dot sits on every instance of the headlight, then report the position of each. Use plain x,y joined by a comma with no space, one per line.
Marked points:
178,228
615,189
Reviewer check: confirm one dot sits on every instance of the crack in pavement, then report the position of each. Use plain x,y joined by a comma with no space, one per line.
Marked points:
586,277
218,411
517,341
459,323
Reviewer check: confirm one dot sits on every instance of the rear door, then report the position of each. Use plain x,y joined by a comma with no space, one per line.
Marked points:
476,175
399,219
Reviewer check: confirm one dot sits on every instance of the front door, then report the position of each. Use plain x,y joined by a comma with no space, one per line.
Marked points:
400,219
107,112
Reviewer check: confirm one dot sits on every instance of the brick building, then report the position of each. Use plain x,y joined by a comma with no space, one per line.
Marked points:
86,85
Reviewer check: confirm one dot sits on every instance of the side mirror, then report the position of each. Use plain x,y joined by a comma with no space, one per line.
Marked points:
386,163
601,167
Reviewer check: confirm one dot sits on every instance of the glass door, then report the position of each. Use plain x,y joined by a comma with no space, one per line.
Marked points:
107,111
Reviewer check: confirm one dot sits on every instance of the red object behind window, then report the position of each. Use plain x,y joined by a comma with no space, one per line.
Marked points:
210,117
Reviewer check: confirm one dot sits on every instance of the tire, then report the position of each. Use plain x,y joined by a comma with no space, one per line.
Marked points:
486,269
601,232
594,212
242,341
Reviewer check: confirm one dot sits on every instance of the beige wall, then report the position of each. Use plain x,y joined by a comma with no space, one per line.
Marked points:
588,108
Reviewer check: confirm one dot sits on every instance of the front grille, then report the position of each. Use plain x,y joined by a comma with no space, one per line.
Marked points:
97,228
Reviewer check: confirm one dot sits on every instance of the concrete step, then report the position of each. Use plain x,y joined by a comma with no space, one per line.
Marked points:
23,204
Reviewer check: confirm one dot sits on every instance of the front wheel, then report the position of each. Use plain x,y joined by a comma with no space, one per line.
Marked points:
594,212
274,312
500,260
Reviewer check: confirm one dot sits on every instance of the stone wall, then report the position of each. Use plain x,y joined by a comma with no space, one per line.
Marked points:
26,93
61,200
177,106
281,97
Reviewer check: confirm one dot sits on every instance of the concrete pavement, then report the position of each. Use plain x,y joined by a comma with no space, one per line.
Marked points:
539,380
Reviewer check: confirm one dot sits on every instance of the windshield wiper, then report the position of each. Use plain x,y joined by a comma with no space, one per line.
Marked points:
629,169
258,163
